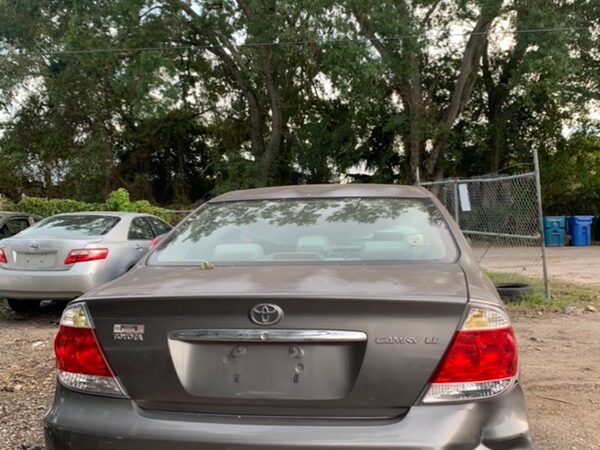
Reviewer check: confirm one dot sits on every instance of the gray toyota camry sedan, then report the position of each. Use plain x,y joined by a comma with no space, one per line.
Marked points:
66,255
307,317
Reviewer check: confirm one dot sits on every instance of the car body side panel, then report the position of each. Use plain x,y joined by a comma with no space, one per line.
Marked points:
80,421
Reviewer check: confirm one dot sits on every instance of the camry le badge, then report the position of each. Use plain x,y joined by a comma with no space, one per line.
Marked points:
266,314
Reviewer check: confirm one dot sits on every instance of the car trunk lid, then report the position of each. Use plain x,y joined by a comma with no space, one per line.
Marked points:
358,341
41,254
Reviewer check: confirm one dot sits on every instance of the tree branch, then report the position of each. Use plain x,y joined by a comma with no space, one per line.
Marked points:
273,147
464,84
429,13
486,70
235,66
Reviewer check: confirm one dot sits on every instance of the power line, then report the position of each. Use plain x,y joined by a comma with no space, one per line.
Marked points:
299,43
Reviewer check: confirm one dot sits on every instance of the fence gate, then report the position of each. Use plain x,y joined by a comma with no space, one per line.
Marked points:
501,217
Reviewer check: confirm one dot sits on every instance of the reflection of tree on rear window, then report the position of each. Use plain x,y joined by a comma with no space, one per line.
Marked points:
65,226
314,230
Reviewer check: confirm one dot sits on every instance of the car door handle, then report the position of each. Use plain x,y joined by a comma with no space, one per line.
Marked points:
139,248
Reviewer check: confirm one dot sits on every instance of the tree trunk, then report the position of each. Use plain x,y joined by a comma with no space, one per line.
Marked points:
227,54
464,84
273,147
498,96
416,117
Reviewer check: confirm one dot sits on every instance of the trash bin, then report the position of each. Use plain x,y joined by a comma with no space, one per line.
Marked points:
554,231
581,230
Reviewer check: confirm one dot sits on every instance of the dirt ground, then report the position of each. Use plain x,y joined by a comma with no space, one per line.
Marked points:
560,371
560,363
578,265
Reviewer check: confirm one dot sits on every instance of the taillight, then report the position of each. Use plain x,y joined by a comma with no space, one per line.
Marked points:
80,363
480,362
154,242
86,254
3,259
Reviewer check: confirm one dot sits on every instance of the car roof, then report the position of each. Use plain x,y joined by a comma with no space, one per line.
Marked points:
16,213
105,213
324,191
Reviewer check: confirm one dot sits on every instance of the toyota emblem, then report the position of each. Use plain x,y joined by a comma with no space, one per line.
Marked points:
266,314
34,246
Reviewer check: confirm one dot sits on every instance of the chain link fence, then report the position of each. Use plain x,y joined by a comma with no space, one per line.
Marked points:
500,216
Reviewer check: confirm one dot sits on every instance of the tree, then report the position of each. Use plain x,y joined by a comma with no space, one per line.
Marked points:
179,100
567,189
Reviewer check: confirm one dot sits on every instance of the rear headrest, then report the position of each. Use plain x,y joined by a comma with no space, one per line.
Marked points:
374,250
238,252
389,236
314,244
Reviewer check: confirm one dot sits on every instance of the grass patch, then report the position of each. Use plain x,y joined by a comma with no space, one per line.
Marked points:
562,294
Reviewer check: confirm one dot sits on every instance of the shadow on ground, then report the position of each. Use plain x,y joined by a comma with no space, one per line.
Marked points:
49,310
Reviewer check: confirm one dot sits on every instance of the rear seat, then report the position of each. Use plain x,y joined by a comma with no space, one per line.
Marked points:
238,252
314,244
382,250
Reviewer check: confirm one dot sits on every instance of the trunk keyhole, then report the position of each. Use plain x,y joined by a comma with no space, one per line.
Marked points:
239,350
296,352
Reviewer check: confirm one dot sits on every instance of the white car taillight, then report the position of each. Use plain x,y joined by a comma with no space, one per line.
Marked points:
481,361
85,255
80,363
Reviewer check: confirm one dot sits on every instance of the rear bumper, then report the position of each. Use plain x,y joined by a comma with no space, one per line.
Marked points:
52,285
83,421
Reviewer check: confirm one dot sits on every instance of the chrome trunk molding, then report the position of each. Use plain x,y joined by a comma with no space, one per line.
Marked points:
259,335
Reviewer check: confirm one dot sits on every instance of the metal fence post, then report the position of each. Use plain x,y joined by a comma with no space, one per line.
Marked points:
456,217
538,188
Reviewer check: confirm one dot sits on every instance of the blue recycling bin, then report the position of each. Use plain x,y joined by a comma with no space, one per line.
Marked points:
554,231
580,228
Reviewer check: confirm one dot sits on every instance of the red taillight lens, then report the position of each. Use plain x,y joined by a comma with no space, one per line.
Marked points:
479,355
77,351
481,361
84,255
80,363
3,259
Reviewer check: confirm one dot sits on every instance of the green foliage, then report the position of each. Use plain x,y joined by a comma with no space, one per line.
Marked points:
116,201
571,176
49,206
353,85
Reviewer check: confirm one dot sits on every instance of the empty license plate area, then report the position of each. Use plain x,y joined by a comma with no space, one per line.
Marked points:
267,370
38,260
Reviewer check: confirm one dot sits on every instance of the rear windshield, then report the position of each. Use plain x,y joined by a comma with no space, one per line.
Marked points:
71,226
310,231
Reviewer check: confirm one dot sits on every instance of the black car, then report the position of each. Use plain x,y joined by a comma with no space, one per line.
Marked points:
12,223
